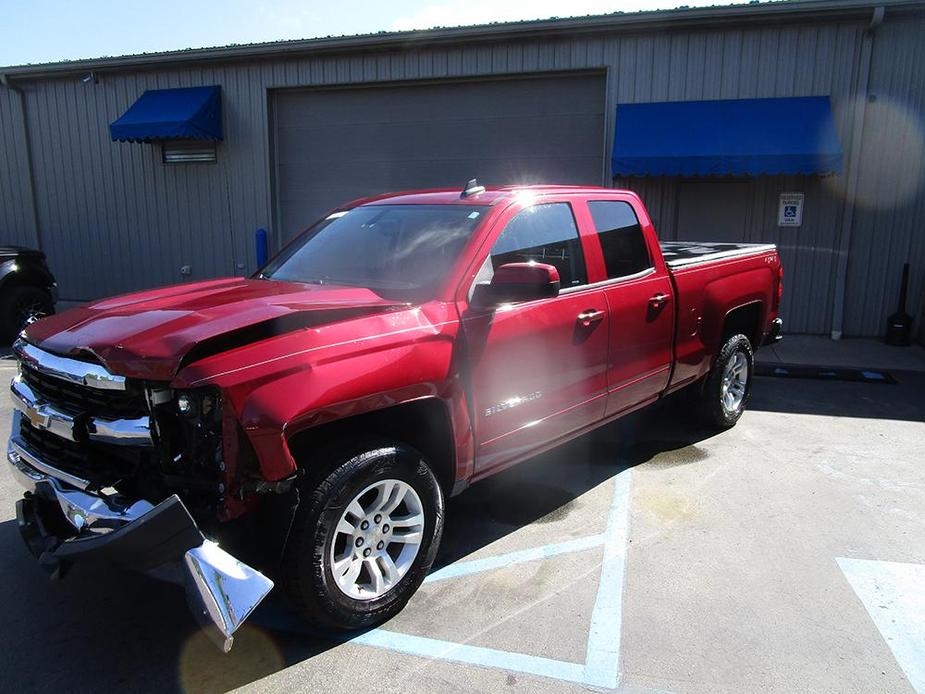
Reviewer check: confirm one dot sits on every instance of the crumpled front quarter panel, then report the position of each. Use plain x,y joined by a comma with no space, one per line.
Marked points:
279,386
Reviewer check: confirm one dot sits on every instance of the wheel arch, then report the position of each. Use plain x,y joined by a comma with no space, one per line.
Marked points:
745,319
425,424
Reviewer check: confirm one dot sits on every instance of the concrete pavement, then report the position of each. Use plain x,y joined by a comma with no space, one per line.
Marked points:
731,582
852,352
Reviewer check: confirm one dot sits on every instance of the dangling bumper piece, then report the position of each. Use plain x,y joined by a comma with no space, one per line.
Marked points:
63,521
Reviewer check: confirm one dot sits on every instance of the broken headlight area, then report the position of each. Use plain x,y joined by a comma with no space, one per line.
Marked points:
189,451
132,472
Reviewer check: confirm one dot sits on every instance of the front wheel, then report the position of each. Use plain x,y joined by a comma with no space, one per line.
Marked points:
728,386
364,538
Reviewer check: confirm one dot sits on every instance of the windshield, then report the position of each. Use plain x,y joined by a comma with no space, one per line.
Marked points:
399,251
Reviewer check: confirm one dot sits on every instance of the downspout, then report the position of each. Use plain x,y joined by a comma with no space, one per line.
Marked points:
30,175
851,188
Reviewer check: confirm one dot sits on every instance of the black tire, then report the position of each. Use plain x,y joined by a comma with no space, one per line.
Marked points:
711,407
19,306
306,573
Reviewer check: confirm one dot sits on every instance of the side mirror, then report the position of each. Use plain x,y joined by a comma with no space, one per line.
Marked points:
518,282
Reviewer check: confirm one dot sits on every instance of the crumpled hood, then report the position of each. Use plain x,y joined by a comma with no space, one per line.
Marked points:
150,334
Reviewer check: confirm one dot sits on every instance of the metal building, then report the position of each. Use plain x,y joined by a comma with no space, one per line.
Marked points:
306,125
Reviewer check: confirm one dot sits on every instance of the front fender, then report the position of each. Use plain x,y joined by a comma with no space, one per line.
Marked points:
277,410
281,386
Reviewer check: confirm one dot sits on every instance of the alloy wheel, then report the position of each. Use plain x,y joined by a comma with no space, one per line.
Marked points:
735,382
377,539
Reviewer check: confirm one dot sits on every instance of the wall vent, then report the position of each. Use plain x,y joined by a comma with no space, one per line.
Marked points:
180,152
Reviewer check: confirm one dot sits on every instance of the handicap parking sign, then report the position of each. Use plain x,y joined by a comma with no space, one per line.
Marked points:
790,212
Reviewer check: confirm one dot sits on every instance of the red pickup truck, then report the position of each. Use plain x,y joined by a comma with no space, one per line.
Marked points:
316,416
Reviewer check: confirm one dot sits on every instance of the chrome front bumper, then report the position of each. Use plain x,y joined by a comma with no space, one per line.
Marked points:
161,540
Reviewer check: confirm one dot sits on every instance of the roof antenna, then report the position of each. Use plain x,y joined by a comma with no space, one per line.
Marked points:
472,188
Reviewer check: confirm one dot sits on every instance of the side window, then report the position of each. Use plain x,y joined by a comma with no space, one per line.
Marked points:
547,234
622,240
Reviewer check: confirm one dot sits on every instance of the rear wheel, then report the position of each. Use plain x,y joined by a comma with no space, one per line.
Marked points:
728,386
20,306
364,538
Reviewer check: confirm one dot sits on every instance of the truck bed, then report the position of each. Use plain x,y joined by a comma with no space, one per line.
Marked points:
709,280
684,253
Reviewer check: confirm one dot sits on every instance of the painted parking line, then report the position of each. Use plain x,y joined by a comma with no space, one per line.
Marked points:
435,649
602,662
894,596
467,568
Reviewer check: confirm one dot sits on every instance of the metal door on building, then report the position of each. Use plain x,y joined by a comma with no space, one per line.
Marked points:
333,145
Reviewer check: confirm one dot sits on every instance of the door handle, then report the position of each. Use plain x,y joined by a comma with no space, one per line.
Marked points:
658,300
592,315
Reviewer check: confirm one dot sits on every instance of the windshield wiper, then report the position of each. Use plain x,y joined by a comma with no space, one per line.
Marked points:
310,280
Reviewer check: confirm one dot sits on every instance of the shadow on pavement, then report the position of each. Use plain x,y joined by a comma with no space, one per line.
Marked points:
544,489
101,628
900,401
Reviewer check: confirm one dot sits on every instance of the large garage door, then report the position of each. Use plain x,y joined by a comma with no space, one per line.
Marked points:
335,145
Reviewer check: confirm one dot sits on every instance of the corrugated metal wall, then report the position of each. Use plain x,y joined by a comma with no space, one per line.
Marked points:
808,252
114,218
17,223
889,218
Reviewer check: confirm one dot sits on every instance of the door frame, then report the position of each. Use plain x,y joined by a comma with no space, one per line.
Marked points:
478,256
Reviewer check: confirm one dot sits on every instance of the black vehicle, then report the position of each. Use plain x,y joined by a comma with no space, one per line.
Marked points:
27,289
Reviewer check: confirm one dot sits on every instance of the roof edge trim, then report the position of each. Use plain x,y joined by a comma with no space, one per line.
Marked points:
684,16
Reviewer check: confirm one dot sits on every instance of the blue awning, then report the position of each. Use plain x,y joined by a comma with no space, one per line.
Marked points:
191,113
738,137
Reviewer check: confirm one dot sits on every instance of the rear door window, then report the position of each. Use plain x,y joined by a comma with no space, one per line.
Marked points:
544,233
622,240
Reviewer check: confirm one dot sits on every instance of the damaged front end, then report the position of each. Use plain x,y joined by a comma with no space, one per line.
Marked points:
108,476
